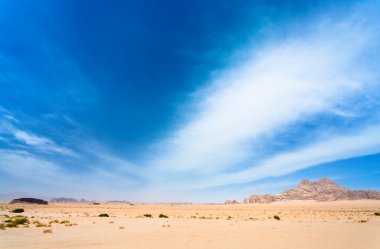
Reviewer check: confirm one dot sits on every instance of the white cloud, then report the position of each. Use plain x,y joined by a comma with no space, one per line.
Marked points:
43,144
339,147
31,139
9,126
284,84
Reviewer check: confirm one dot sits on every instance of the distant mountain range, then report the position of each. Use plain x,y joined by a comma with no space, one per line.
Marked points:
320,190
73,200
68,200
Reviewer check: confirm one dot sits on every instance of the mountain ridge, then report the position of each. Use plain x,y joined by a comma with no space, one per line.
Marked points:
320,190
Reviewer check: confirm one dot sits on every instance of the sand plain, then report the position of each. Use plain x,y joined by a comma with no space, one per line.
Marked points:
302,224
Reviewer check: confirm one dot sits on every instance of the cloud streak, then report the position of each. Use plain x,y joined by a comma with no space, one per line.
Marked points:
326,71
31,140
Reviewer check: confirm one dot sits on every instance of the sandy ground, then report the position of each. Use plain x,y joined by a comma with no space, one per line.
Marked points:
302,224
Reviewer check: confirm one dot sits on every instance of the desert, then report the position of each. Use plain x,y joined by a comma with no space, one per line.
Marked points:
301,224
172,124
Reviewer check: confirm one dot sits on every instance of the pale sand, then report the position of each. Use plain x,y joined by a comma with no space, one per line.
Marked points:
303,224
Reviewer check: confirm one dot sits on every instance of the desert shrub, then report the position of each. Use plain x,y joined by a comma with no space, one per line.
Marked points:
103,215
48,231
39,224
18,210
2,226
14,222
276,217
377,214
163,216
121,227
148,215
21,221
53,221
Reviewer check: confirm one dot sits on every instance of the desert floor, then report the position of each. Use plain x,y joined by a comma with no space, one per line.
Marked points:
302,224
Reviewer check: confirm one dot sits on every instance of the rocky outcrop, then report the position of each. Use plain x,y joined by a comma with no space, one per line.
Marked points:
321,190
119,202
64,200
231,202
68,200
28,201
257,198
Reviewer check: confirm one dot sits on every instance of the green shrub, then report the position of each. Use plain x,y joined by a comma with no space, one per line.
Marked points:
148,215
39,224
163,216
103,215
276,217
14,222
18,210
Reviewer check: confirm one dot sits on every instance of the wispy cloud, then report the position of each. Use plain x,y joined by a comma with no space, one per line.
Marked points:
8,126
338,147
327,70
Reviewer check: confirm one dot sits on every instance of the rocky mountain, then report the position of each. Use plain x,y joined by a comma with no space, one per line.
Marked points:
68,200
28,201
119,202
320,190
228,202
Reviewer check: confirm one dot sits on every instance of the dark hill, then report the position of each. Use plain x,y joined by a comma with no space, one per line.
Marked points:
28,201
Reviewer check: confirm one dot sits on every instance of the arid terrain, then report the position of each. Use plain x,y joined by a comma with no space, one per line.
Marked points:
298,224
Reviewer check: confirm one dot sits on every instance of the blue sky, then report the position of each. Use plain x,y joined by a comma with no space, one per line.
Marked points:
195,101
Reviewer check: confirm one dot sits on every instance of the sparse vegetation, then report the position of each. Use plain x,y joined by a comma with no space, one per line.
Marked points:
39,224
48,231
2,226
276,217
16,221
377,214
121,227
103,215
18,210
163,216
148,215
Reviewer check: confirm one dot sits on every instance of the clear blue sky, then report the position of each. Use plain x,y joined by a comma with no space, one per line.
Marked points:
194,101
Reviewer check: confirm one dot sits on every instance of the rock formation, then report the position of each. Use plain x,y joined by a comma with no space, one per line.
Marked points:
68,200
64,200
231,202
119,202
321,190
28,201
